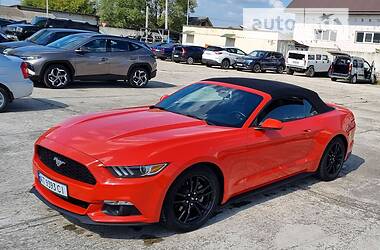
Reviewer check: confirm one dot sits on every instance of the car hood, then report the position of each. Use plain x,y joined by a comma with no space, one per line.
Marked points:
130,134
16,44
247,58
33,50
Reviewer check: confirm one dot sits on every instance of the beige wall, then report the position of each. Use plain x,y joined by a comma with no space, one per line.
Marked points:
245,40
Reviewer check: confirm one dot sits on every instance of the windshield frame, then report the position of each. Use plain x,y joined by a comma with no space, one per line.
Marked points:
261,100
262,53
83,40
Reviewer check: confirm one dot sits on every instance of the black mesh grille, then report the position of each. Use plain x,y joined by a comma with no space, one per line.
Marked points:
69,168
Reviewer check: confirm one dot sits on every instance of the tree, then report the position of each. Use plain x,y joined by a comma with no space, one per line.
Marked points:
74,6
131,13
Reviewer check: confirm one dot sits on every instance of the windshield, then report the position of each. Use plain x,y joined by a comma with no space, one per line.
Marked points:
257,53
39,21
41,37
69,42
217,105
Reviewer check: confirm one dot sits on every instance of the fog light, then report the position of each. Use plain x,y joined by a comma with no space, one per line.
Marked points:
120,208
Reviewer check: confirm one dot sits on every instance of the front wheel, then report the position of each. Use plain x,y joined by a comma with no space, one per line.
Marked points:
332,160
310,71
280,69
190,60
354,79
138,77
57,76
191,200
256,68
289,71
4,100
226,64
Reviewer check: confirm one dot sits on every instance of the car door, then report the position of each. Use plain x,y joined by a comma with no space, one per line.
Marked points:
122,55
267,61
361,70
274,154
92,59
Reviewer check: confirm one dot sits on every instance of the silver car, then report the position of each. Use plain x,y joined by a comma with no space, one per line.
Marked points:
89,56
224,57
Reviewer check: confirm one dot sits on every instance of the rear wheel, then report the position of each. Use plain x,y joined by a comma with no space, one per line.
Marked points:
332,160
280,69
208,65
190,60
310,72
4,99
289,71
191,199
333,79
138,77
226,64
57,76
256,68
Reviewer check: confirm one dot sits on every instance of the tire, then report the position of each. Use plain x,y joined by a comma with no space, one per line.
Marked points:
354,79
163,58
289,71
332,160
373,80
280,69
226,64
333,79
256,68
138,77
190,60
310,72
57,76
184,210
4,99
208,65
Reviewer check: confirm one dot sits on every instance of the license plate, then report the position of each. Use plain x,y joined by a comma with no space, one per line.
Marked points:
176,55
55,187
239,64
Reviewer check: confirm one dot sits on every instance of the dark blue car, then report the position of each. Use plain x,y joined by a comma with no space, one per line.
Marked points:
164,51
260,61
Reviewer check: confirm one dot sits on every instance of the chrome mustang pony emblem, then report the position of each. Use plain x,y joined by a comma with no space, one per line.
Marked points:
59,162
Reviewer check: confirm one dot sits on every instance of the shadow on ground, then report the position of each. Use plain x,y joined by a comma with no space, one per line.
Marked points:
34,104
112,84
152,234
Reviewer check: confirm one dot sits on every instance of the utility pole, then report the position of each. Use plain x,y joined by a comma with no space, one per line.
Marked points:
47,8
188,12
147,15
166,15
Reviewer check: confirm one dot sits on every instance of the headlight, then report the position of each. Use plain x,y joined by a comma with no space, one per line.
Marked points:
137,171
19,29
29,58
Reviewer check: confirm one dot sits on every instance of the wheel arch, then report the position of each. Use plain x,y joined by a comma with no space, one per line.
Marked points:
61,62
142,65
9,92
343,138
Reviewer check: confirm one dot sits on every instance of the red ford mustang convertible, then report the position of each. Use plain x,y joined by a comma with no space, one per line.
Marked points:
176,161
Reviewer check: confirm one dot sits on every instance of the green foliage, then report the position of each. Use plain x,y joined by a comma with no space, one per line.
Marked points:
74,6
131,13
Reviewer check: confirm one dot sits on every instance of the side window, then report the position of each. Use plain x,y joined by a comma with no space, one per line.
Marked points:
286,110
319,57
361,64
231,50
96,46
119,46
311,57
324,57
269,55
240,52
355,63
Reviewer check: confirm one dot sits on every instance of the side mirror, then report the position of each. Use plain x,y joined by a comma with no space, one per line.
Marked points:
271,124
82,50
163,97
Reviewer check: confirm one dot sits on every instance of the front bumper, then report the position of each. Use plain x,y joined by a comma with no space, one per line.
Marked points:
146,194
243,66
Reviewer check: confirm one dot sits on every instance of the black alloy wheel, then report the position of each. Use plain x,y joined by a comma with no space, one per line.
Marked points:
191,200
332,160
226,64
256,68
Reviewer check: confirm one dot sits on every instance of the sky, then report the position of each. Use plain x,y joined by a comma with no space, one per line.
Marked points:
223,13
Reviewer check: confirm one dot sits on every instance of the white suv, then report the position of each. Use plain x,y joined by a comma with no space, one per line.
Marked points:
14,81
307,62
224,57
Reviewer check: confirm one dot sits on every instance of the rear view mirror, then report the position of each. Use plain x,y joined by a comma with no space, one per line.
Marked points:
271,124
163,97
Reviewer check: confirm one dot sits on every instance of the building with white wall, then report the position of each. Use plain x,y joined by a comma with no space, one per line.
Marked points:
236,37
359,36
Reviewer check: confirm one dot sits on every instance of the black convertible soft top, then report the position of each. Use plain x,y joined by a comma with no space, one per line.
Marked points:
277,90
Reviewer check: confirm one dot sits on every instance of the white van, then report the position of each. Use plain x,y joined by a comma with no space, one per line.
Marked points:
307,62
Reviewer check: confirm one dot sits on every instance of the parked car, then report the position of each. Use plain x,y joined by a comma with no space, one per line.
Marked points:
23,31
89,56
188,54
164,51
260,61
242,134
224,57
42,37
307,62
5,22
14,80
353,69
